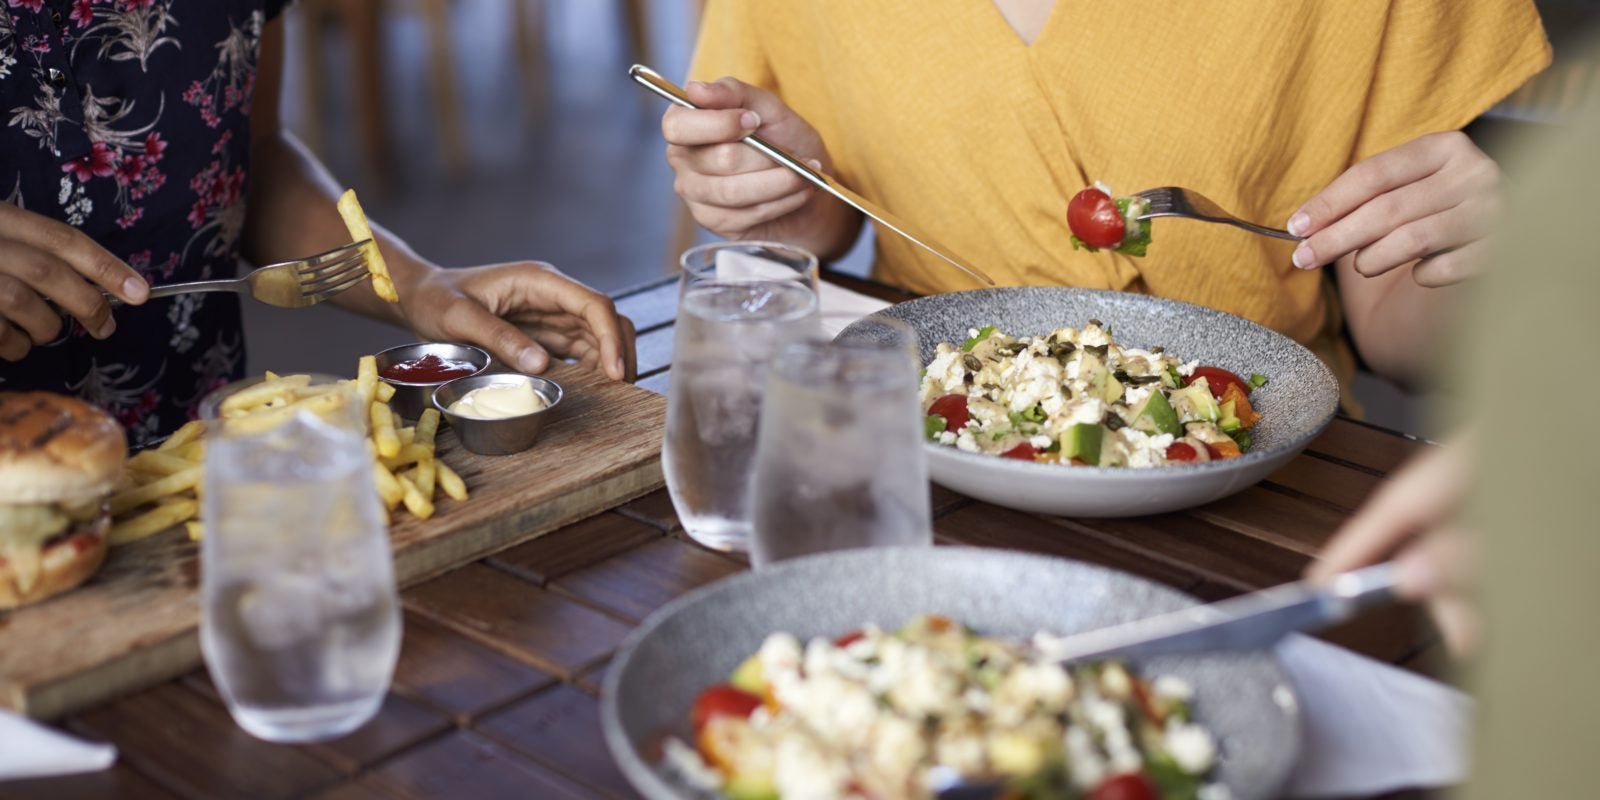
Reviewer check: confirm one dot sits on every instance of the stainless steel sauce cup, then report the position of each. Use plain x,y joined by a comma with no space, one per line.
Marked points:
497,437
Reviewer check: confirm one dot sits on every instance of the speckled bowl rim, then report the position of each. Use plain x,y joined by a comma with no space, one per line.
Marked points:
900,311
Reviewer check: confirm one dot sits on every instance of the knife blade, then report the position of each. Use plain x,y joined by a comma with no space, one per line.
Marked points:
1249,622
652,80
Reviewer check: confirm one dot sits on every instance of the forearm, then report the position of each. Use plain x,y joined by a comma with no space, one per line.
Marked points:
1396,323
292,214
840,229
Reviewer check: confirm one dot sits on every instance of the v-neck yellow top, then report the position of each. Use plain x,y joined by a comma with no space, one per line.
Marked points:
938,110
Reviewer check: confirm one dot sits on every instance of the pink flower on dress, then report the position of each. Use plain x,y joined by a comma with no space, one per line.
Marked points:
31,5
197,215
100,163
154,147
130,5
34,44
210,119
140,261
193,94
222,141
126,220
130,170
82,12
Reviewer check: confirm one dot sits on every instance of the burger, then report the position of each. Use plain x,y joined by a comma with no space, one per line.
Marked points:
59,460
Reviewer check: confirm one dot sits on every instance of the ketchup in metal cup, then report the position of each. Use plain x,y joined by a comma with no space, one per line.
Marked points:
428,369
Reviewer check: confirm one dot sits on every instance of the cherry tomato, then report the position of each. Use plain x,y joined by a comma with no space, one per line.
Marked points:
1127,786
1218,379
953,407
1182,451
722,700
849,638
1094,219
1022,452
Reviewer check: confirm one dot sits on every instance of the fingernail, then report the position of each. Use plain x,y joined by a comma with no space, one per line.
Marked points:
621,371
529,360
1304,258
750,120
815,164
107,329
136,290
1299,223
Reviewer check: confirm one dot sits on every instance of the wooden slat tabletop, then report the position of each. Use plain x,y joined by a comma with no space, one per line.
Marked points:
496,692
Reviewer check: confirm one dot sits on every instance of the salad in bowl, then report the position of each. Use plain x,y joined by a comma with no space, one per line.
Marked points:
1076,396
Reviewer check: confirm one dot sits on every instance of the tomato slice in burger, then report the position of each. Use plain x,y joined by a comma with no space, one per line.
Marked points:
1094,219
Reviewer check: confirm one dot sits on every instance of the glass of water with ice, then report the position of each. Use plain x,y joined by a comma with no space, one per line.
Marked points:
300,621
839,461
728,332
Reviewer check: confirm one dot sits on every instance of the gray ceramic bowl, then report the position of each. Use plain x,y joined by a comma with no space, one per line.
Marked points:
411,398
1296,404
698,639
497,437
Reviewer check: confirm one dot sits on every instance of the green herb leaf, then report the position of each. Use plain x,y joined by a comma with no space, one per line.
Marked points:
1079,244
933,425
1242,437
1257,380
983,333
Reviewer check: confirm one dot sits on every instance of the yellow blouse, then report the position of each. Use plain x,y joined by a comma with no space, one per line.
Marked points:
938,110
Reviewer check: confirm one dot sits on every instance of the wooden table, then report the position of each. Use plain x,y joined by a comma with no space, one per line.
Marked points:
496,690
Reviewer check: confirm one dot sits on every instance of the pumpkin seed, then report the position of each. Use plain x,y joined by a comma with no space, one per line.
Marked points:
971,362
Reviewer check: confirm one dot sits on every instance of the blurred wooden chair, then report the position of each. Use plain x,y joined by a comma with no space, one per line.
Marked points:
362,21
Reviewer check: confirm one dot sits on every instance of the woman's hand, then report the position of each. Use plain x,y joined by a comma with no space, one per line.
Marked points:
523,313
1431,201
42,259
740,194
1412,519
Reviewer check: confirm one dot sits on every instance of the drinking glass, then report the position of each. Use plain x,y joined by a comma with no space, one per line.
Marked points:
726,335
734,262
300,621
839,460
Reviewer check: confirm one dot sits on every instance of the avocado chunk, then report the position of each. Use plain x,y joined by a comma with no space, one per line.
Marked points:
1082,441
1194,403
747,677
1230,419
1157,416
751,786
1092,371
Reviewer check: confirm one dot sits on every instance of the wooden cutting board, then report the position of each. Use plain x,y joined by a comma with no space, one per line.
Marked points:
136,622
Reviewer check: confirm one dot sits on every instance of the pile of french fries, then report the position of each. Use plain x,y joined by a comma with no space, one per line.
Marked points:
161,487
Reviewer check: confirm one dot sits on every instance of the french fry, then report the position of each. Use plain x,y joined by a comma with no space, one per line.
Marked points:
389,489
355,221
450,482
367,378
407,454
194,451
262,392
267,419
153,521
172,484
419,506
159,463
385,391
190,431
427,428
383,435
270,375
426,471
195,530
407,435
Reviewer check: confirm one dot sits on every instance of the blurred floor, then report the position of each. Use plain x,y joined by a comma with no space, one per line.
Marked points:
583,186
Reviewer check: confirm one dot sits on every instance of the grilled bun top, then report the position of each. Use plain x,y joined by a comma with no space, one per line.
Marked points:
57,449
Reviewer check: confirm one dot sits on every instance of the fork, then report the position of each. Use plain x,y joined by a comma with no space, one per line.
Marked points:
1174,201
290,284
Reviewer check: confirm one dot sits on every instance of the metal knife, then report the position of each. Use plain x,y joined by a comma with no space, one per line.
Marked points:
1249,622
652,80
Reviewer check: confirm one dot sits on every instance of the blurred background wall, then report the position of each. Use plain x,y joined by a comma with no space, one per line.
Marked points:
499,130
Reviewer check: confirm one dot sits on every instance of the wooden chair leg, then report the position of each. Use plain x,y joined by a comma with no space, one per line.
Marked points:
638,21
361,20
528,24
447,106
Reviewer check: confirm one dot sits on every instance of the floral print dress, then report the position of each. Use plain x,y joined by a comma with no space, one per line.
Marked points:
129,120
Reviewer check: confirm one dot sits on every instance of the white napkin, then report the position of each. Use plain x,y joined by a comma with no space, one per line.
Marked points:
841,306
31,750
1371,728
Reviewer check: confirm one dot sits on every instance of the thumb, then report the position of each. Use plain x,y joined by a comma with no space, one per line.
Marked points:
778,122
505,341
